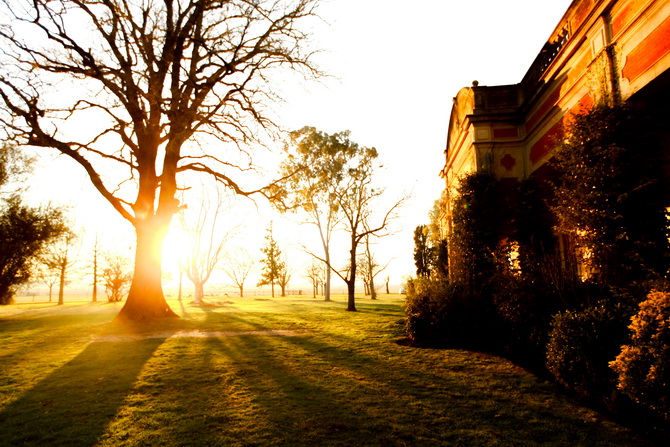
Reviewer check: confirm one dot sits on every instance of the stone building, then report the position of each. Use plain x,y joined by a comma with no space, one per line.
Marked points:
600,49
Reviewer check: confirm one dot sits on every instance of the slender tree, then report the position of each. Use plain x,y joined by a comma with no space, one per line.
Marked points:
283,277
316,276
95,266
272,263
423,252
146,83
61,257
238,266
319,158
356,196
206,237
371,268
49,277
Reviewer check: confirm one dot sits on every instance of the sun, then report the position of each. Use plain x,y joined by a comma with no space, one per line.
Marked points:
175,249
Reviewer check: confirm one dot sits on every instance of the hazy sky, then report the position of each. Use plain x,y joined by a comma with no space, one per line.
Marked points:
396,66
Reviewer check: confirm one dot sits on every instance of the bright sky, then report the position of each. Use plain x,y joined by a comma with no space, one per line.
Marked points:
398,65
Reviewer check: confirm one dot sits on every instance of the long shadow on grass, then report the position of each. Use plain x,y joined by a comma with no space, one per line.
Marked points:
74,404
323,386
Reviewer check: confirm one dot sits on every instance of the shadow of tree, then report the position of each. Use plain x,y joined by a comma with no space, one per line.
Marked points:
70,406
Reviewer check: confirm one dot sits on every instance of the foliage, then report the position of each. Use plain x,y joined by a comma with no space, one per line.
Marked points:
607,196
581,345
441,313
643,366
116,277
24,233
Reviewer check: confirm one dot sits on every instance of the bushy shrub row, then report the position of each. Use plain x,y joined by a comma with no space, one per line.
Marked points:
564,301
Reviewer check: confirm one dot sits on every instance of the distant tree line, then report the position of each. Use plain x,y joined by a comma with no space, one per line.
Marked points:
569,274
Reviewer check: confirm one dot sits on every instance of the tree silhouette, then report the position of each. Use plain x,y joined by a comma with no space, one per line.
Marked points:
140,93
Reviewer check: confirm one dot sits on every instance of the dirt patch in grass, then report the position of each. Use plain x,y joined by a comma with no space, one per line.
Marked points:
194,334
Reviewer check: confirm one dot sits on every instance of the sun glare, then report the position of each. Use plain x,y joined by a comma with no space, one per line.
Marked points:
176,248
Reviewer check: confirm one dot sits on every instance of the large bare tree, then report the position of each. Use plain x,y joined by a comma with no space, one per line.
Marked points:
140,92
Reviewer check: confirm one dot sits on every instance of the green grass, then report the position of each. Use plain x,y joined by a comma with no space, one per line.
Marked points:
71,376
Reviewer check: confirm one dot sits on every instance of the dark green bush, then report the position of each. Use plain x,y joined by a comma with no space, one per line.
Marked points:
581,345
524,310
643,366
441,313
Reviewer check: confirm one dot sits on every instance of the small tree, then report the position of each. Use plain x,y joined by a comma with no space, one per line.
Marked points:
47,276
238,266
370,268
316,276
117,277
423,252
283,277
61,257
272,264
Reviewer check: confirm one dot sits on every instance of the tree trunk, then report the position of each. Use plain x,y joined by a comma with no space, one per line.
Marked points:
326,286
145,298
351,283
373,292
181,281
199,291
61,287
241,291
95,273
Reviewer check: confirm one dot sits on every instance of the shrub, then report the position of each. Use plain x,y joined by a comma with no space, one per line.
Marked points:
643,366
524,309
581,345
441,313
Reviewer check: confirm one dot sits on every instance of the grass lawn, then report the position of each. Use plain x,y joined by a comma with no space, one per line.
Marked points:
267,372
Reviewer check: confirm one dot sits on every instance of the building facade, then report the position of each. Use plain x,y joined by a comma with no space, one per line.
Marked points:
600,50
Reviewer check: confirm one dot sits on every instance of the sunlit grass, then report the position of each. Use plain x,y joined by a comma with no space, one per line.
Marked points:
299,371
